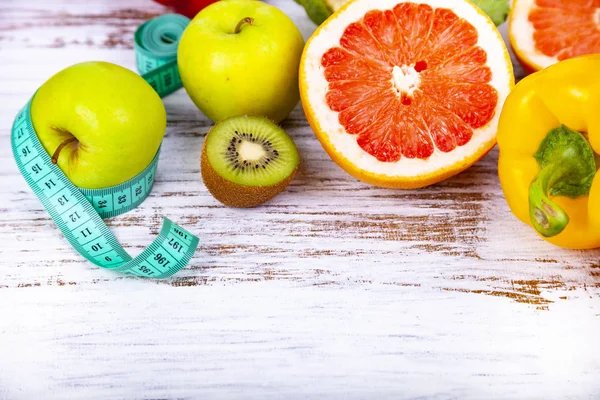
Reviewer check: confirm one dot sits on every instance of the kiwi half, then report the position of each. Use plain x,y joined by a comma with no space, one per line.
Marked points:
246,161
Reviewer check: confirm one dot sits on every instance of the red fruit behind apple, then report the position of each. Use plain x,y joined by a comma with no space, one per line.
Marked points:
189,8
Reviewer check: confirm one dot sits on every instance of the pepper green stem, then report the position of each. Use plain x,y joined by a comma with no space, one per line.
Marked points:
238,27
567,168
546,216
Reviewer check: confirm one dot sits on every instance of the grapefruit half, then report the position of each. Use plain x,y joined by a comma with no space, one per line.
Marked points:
544,32
404,94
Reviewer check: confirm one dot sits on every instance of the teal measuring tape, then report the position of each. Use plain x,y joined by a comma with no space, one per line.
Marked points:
79,212
155,43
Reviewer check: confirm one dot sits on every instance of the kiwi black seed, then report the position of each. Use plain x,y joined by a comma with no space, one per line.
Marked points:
247,161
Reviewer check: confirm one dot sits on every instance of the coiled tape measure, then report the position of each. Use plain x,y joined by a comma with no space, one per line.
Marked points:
79,212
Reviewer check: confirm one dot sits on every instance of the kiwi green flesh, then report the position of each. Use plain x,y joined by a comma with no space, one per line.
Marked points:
234,195
251,151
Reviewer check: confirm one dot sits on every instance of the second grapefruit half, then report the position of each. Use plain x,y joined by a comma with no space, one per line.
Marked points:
544,32
404,94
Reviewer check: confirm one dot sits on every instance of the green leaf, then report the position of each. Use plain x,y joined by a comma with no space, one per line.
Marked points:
497,10
316,10
319,10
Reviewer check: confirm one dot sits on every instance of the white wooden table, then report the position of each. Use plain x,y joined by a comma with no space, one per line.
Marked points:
334,290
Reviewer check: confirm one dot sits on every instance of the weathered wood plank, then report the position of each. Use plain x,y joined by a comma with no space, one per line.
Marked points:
449,222
334,289
260,340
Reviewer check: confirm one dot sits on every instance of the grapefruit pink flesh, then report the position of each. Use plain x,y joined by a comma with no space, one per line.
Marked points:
566,28
409,80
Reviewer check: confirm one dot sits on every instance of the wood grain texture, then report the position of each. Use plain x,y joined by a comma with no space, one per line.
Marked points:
334,289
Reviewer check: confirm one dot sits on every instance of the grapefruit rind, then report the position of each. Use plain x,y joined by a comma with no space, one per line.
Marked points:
405,173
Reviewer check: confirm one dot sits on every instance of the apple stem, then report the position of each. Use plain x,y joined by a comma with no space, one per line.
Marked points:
247,20
60,147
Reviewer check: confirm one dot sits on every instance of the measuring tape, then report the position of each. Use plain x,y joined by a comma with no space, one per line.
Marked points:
155,44
78,212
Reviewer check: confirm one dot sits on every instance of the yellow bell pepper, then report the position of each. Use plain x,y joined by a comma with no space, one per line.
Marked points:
549,141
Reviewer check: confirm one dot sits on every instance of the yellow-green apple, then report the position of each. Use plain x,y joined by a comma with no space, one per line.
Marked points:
101,123
241,57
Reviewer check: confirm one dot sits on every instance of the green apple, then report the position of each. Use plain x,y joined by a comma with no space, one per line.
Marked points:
101,123
241,57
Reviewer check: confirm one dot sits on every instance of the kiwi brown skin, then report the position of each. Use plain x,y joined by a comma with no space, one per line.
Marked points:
233,194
